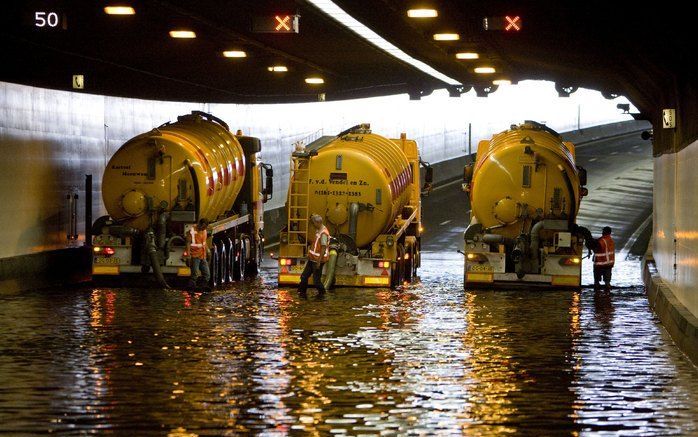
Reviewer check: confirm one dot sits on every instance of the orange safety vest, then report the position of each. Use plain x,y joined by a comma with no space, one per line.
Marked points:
314,253
606,253
197,247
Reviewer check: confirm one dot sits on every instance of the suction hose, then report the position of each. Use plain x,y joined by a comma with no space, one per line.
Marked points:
589,240
331,266
152,252
518,255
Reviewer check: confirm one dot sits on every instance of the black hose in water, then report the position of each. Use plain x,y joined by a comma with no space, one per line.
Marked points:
152,251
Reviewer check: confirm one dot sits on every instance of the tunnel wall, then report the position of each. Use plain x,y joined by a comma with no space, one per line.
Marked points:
675,244
50,139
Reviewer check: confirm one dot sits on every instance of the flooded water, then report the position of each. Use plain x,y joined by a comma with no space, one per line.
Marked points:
429,359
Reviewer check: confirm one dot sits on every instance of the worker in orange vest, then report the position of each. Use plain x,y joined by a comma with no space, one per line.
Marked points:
604,258
318,254
196,250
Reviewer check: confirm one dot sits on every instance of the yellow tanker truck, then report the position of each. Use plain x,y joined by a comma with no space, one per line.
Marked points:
160,183
525,191
366,188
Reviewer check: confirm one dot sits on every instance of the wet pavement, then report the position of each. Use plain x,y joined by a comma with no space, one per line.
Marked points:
429,359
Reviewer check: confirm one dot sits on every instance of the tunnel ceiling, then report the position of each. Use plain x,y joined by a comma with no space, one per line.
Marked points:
613,47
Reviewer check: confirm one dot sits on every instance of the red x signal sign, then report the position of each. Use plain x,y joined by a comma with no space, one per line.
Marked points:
512,23
284,23
508,23
276,24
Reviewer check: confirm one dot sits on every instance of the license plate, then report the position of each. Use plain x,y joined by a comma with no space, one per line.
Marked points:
480,268
110,260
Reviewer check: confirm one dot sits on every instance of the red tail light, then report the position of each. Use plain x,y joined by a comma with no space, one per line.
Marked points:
287,261
103,250
573,261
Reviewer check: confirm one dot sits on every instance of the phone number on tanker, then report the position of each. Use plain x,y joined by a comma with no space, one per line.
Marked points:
337,193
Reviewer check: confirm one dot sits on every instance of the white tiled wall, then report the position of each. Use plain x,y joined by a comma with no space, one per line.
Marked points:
50,139
676,223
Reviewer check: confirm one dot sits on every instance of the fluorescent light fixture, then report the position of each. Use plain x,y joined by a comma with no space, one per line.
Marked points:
314,80
485,70
182,34
501,82
422,13
234,54
467,55
334,11
119,10
446,37
278,68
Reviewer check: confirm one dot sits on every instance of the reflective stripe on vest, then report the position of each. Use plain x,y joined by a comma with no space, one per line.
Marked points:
606,255
198,243
314,253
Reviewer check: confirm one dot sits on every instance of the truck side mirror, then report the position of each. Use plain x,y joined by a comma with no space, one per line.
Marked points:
268,190
582,175
428,177
468,173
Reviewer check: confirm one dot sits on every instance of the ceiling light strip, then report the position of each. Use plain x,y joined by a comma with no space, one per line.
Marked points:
354,25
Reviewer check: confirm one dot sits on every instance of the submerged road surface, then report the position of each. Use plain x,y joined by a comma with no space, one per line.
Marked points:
427,359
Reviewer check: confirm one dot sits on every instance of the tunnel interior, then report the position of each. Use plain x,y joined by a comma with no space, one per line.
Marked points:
81,78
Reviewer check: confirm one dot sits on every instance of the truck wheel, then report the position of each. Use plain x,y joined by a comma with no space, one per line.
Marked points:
237,260
399,270
409,264
249,259
215,280
251,270
222,263
230,260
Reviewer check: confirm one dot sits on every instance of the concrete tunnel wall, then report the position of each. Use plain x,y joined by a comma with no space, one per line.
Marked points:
50,139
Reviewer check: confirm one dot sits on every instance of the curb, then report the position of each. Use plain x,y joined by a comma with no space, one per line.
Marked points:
681,324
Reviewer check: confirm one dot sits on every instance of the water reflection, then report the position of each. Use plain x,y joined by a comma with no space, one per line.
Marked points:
430,358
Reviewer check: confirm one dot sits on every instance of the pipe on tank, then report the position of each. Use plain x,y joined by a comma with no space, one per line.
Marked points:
195,184
123,231
172,239
353,219
496,239
162,230
473,229
535,242
570,191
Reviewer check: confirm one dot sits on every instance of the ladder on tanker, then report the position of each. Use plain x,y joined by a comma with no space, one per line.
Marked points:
299,194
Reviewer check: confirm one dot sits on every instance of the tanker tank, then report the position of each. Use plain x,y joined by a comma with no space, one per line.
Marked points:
160,183
194,165
366,188
525,191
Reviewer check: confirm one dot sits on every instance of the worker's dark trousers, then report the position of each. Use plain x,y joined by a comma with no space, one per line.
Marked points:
315,269
602,273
